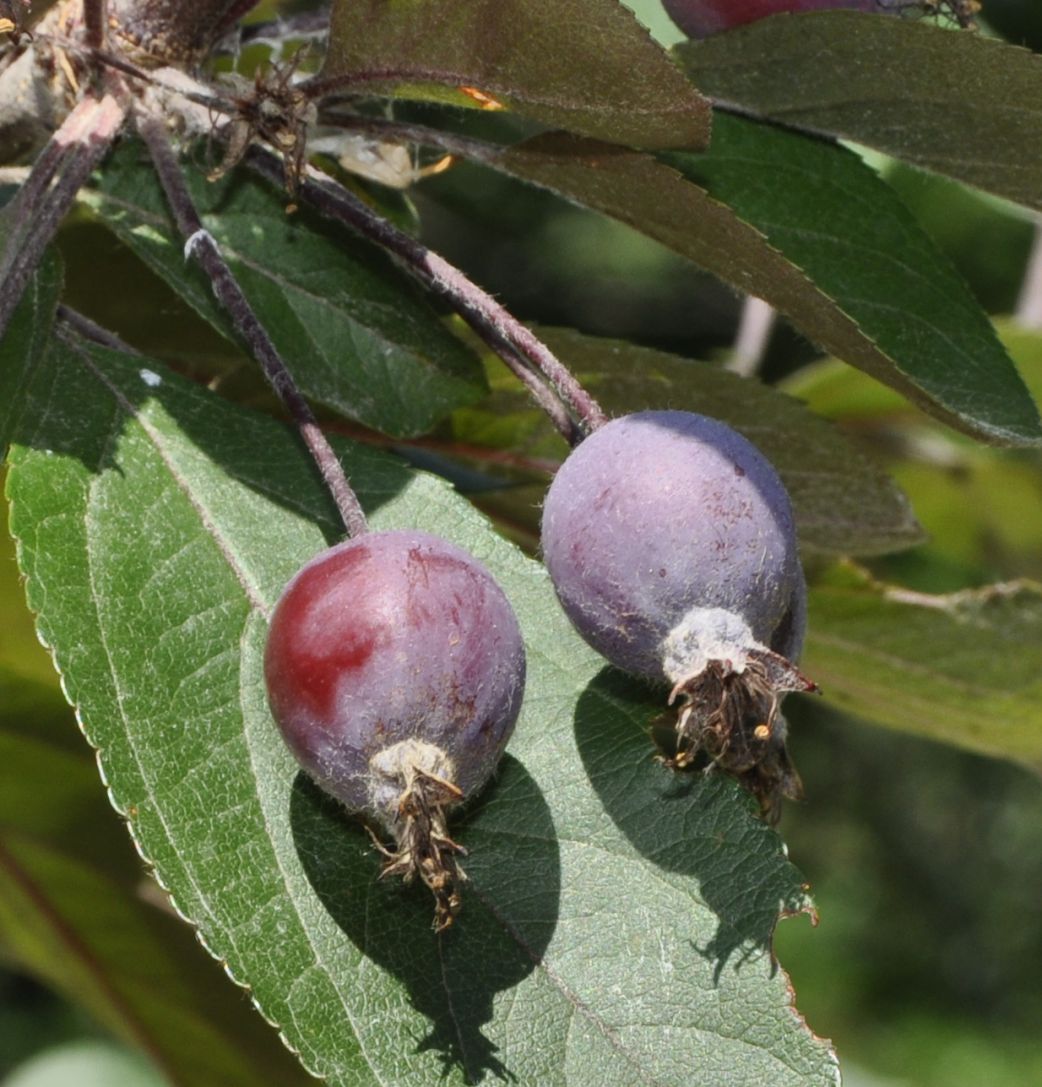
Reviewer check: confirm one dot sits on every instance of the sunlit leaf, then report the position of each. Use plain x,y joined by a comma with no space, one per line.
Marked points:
965,668
356,334
807,226
618,919
970,499
76,908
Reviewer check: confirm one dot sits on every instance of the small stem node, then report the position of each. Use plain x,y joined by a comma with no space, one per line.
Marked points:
201,244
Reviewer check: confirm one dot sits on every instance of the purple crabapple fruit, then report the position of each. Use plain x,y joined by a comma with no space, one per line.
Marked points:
395,670
671,544
702,18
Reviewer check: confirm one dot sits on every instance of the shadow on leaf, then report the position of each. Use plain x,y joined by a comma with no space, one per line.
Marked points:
694,824
510,907
252,451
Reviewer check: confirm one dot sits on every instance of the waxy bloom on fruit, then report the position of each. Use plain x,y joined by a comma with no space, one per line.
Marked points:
702,18
671,544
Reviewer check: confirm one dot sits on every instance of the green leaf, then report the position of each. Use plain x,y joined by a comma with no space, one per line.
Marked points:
959,104
844,503
583,65
837,221
1025,345
357,336
618,919
811,229
970,499
75,907
76,910
85,1064
965,668
27,334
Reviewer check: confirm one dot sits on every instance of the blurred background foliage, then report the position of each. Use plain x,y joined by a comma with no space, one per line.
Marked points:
925,861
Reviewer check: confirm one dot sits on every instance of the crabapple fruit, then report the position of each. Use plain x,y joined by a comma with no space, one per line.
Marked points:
701,18
671,545
395,670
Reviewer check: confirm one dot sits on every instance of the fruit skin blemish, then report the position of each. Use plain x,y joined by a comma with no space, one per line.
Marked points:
395,671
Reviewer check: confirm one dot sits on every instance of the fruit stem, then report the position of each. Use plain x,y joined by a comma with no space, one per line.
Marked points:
95,19
64,165
85,327
201,244
561,397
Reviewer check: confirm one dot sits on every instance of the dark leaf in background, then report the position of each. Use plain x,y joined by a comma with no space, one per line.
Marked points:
24,341
957,103
844,503
808,227
586,66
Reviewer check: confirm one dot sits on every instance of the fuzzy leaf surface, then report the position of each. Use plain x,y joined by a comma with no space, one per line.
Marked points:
808,227
965,668
76,908
617,921
356,334
587,66
960,104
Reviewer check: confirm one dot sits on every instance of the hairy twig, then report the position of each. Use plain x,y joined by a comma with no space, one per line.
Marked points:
519,348
86,328
95,19
201,245
34,215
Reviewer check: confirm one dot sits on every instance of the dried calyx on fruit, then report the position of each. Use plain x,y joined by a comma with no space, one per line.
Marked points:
671,545
395,670
701,18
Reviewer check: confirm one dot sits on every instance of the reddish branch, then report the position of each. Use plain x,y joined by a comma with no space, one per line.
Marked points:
47,194
95,19
201,245
526,355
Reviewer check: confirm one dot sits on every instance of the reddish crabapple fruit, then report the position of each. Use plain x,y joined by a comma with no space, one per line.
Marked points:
701,18
395,670
671,544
